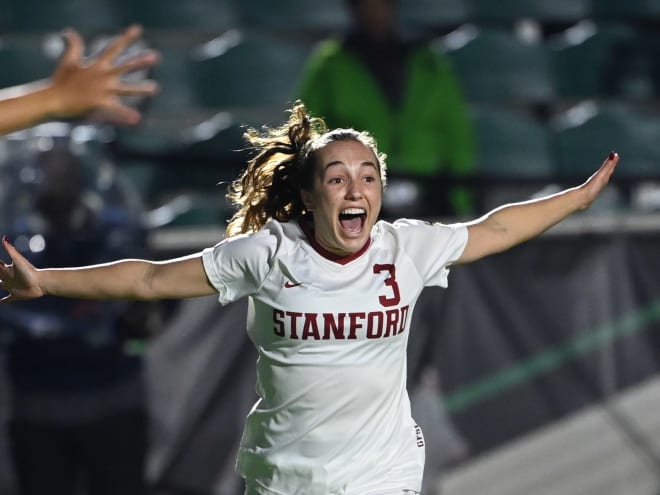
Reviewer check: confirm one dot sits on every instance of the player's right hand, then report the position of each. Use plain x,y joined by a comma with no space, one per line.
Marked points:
19,278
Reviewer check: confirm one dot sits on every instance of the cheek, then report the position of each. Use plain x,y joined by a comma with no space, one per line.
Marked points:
326,204
326,195
376,196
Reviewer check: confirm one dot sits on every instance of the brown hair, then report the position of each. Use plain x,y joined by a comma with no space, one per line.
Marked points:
283,165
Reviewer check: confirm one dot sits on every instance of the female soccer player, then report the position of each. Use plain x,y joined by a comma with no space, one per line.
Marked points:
332,290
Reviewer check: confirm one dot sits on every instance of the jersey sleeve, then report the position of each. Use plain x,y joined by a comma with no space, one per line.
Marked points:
432,247
237,266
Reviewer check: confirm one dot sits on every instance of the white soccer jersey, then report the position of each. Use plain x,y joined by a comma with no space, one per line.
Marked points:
333,415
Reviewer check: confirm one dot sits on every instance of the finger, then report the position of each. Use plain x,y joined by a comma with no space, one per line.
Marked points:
119,114
608,163
142,88
8,246
143,60
6,268
605,171
611,162
113,50
612,157
74,46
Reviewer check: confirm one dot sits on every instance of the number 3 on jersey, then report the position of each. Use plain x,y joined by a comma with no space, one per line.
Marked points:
390,282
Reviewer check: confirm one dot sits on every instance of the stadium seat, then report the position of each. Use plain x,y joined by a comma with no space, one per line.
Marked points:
639,66
514,154
219,140
512,144
141,174
596,61
176,91
176,200
251,70
170,111
190,15
87,16
23,59
493,65
544,11
293,17
584,135
433,15
618,10
5,20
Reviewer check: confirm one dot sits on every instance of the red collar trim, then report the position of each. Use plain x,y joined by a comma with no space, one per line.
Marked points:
308,229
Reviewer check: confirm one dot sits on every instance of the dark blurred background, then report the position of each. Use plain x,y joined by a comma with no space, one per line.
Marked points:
548,354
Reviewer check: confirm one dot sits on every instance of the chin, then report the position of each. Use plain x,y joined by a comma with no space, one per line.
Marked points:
353,245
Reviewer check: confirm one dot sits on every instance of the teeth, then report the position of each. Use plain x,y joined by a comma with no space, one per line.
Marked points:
353,211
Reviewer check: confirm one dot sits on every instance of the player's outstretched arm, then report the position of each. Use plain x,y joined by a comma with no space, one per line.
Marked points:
124,279
78,87
511,224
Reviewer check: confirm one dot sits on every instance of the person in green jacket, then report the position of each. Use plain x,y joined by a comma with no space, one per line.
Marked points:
403,92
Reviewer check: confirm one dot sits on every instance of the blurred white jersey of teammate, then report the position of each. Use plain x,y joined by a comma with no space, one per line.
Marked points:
331,336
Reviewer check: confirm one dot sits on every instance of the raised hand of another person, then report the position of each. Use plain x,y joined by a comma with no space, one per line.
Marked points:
80,87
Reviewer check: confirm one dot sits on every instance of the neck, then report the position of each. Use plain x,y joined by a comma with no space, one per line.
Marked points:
308,229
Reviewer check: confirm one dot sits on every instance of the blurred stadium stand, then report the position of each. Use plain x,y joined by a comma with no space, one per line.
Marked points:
494,65
511,143
580,133
433,17
635,11
293,17
592,60
228,64
245,70
88,16
192,16
24,57
508,12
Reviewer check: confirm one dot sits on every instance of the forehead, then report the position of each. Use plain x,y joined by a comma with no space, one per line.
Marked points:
346,152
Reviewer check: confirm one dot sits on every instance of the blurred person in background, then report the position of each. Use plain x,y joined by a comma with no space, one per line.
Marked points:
77,409
406,95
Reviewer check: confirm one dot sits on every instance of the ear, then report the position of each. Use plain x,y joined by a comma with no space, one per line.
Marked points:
307,199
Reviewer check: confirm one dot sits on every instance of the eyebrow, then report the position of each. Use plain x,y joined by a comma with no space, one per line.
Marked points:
339,162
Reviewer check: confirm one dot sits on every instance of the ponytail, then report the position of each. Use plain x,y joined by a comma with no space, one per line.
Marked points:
269,188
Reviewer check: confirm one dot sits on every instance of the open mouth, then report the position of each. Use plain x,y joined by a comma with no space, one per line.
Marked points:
352,220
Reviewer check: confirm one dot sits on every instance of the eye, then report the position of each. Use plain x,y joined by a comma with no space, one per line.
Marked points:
336,180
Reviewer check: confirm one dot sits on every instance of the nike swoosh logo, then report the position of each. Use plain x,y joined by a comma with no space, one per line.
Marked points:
288,284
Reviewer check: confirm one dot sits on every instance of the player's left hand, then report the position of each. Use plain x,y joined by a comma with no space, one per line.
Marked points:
599,180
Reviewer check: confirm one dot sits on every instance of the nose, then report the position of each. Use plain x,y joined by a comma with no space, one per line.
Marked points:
354,190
